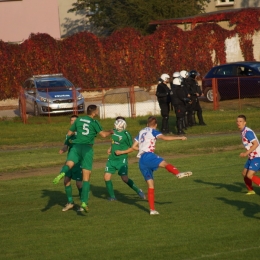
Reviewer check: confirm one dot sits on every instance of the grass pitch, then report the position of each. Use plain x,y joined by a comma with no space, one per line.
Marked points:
205,216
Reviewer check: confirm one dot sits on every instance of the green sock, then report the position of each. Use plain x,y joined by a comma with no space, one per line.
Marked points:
132,185
65,169
80,192
68,191
109,186
85,192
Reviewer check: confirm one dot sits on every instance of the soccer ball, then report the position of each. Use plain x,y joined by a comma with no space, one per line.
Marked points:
120,125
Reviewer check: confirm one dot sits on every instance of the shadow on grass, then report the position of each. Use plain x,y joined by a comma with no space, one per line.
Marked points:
235,187
131,199
56,198
249,208
59,198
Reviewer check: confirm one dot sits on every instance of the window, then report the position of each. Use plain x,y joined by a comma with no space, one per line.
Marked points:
227,71
224,2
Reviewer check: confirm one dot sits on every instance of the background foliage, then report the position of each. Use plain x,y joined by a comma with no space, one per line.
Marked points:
126,57
112,15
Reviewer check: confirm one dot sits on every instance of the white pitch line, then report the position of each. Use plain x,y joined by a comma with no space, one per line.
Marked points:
222,253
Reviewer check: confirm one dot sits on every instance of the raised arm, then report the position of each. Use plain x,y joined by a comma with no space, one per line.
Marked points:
106,133
171,138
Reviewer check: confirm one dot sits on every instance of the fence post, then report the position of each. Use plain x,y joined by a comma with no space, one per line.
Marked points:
215,94
74,99
132,102
22,106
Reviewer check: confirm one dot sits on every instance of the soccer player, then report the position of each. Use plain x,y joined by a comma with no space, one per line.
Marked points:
75,173
149,162
118,159
252,164
82,151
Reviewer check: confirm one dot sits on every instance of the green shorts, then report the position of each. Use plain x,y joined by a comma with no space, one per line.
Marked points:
75,173
117,165
82,153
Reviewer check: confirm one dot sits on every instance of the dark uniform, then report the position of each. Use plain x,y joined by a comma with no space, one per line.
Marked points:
188,114
179,100
195,93
164,100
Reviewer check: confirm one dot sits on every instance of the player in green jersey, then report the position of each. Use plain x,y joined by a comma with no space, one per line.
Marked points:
87,129
118,158
75,173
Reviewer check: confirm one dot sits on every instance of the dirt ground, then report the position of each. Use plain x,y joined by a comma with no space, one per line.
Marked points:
56,169
47,171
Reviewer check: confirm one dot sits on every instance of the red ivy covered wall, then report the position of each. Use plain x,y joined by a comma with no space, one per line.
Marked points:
126,57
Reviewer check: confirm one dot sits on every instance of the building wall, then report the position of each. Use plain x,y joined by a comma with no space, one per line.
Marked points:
71,23
216,5
19,19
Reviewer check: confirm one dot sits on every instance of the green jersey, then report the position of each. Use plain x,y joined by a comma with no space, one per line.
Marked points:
87,129
120,141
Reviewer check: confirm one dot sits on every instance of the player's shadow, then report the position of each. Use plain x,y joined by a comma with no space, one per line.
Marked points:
55,198
250,209
234,187
131,199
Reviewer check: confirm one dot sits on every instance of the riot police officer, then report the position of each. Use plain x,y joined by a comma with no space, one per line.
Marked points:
188,114
195,94
179,101
163,93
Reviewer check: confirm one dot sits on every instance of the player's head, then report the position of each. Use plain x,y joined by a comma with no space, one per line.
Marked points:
120,117
242,117
152,122
73,119
92,110
241,122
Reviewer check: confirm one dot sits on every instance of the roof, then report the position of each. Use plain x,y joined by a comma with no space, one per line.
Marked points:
205,17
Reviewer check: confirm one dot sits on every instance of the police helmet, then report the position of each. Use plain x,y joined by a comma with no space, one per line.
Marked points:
193,74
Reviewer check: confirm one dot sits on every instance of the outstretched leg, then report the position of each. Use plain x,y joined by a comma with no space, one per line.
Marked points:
132,185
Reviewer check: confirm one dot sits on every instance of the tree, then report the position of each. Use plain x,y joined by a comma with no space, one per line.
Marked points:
111,15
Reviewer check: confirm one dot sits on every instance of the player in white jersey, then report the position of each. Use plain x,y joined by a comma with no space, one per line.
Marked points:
149,162
252,165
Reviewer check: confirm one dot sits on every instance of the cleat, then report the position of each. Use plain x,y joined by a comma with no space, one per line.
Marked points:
154,212
250,192
80,209
68,206
141,194
112,199
183,174
58,178
84,206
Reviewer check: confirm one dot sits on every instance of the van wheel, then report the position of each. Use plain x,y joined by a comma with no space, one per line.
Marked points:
36,110
209,94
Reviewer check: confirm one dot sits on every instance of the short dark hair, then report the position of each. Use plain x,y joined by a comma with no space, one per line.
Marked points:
152,121
74,116
242,116
120,117
90,109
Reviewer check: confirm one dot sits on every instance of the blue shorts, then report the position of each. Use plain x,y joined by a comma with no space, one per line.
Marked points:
148,163
253,164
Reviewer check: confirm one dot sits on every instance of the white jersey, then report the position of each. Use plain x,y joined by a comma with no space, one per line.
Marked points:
248,136
147,139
